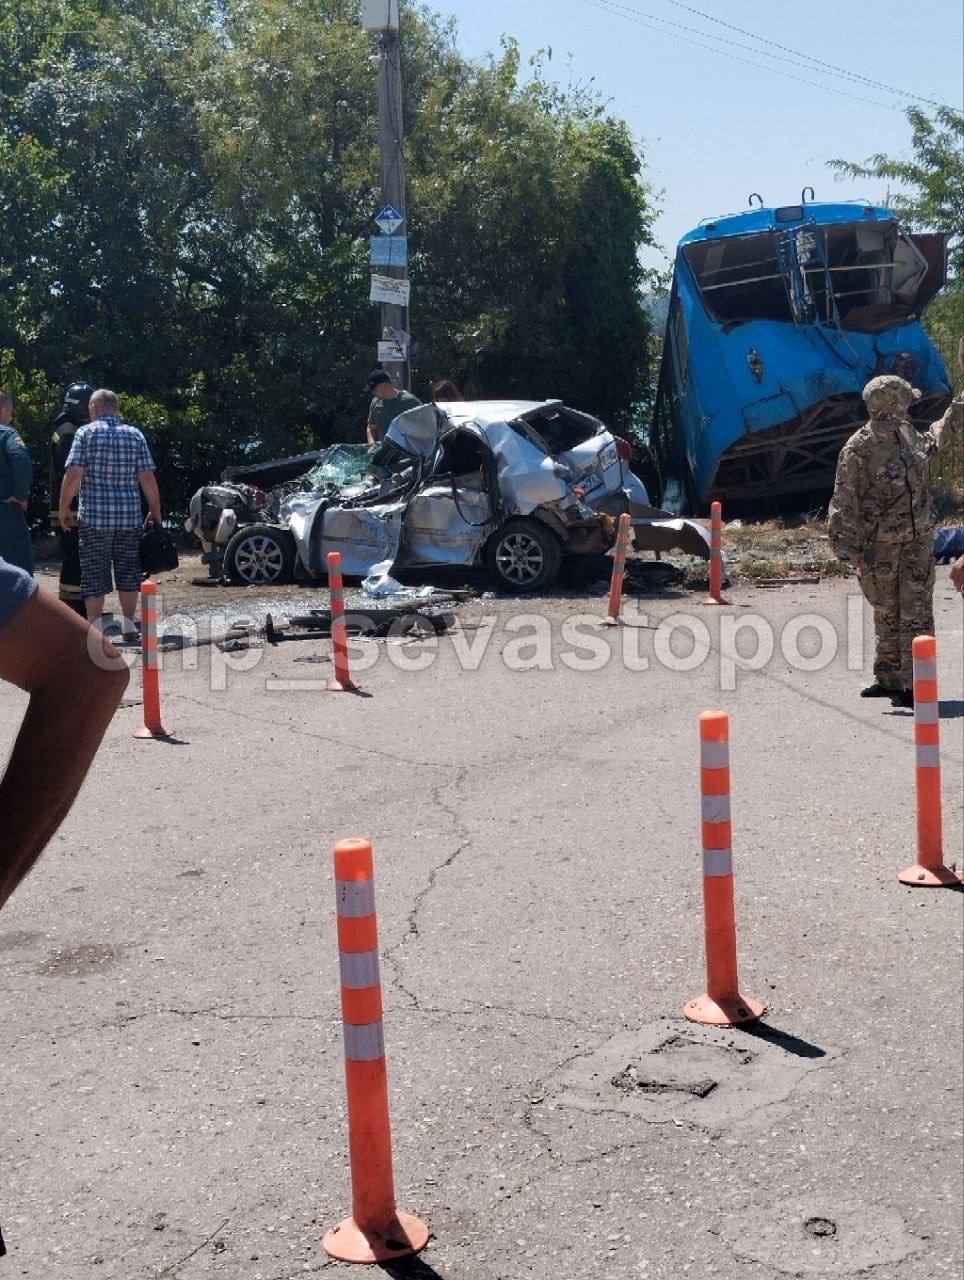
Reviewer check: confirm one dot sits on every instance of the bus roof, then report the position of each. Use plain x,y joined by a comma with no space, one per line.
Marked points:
757,219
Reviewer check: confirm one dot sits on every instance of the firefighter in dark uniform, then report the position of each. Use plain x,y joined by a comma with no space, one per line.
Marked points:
16,472
76,413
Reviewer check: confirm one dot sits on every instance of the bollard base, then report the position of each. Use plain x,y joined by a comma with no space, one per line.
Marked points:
612,622
713,600
723,1013
400,1239
342,686
158,735
920,877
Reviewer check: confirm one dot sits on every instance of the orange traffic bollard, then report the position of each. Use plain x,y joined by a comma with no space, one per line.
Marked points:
153,727
716,555
722,1005
929,871
376,1231
342,682
619,572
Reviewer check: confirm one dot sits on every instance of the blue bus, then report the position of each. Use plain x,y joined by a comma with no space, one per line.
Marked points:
777,320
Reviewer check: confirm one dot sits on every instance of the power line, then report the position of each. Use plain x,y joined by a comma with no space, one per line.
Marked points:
637,16
627,11
818,62
793,60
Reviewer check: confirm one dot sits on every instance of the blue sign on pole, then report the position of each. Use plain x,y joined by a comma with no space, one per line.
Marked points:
389,220
389,251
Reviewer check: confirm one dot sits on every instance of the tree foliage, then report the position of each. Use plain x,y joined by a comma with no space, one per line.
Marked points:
930,197
189,186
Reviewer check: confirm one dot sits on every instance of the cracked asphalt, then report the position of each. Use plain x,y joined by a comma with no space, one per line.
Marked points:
173,1101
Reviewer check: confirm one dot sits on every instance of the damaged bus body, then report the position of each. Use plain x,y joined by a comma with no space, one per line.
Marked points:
778,318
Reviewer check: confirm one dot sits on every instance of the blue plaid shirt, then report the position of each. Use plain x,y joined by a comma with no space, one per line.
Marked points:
111,453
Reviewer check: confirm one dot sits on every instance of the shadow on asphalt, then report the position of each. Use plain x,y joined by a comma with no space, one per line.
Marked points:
950,709
411,1269
783,1040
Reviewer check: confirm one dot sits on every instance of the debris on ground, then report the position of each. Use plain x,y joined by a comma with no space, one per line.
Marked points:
380,585
377,623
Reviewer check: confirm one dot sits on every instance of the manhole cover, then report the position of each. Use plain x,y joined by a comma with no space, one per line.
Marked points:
814,1238
820,1227
708,1076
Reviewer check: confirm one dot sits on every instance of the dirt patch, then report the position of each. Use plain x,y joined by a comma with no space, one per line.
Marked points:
20,938
816,1238
771,551
79,961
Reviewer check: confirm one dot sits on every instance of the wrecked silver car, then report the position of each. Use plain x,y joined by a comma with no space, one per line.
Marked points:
509,485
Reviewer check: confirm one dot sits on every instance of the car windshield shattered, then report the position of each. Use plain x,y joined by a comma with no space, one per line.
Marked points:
340,464
510,486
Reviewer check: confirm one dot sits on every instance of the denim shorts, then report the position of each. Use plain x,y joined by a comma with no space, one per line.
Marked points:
102,550
16,588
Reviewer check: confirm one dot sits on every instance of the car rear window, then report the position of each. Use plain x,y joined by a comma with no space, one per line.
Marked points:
563,429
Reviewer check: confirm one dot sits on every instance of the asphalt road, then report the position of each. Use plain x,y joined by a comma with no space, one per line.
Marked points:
173,1101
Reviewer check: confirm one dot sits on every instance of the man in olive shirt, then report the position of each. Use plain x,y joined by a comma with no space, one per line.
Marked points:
387,404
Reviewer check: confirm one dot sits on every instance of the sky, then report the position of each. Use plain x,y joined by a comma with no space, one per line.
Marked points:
714,129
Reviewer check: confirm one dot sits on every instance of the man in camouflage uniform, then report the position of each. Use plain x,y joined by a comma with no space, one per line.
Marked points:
882,521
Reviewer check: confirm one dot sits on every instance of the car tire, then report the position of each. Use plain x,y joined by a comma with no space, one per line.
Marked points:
260,555
524,556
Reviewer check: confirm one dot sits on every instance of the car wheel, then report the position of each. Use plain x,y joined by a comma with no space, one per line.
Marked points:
524,556
260,555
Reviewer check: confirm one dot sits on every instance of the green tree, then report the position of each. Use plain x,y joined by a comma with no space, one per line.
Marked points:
189,186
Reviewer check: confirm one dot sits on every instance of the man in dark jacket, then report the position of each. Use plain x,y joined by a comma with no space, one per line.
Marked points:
75,413
16,472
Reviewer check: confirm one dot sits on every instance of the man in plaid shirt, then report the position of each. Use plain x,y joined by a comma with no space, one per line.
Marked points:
108,465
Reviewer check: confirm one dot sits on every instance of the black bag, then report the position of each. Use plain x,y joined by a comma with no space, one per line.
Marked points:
158,550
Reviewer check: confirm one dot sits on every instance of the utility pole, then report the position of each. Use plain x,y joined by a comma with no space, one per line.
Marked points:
391,138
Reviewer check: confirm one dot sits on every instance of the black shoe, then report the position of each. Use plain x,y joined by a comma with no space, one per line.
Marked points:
876,690
903,698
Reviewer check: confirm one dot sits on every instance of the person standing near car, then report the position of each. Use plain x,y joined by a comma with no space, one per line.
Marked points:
16,473
108,466
75,413
387,403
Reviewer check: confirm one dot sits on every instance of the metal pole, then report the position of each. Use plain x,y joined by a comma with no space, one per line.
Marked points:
391,139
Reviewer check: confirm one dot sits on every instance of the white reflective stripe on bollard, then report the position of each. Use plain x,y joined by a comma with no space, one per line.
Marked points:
149,638
364,1042
717,862
716,808
927,713
925,668
355,897
714,755
929,756
359,969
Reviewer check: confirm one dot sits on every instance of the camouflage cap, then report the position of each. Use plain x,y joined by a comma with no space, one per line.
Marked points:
888,395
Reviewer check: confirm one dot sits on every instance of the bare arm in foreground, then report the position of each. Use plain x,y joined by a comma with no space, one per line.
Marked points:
44,651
